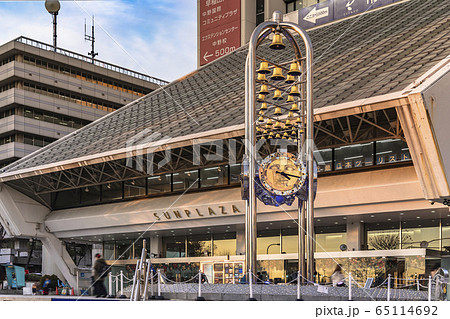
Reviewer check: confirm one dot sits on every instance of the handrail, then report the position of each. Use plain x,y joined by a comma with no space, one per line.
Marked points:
84,58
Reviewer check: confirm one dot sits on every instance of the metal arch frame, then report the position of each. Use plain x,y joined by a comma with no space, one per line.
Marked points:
250,137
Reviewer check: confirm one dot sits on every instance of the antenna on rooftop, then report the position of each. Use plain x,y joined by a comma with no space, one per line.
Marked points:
91,38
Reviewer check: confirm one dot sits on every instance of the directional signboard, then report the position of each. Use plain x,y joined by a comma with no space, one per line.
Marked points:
220,28
336,9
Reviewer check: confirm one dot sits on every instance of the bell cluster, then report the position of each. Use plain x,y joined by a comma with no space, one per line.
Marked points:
279,97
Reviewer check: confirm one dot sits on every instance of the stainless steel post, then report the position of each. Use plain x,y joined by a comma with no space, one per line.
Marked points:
151,283
55,14
121,283
146,281
389,288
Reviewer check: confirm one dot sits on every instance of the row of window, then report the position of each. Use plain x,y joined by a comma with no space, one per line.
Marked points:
7,139
85,76
7,60
74,98
7,86
37,140
362,155
53,118
153,185
294,5
436,233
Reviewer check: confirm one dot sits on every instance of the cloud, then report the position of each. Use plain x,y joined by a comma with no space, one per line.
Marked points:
156,37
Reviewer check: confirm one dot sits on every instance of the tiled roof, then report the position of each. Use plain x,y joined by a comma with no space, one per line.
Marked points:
373,54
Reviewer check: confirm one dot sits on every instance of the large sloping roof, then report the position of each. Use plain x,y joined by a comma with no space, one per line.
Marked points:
376,53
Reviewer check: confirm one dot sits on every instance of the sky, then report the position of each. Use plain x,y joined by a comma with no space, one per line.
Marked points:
155,37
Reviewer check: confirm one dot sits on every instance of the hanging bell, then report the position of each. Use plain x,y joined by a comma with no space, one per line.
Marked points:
294,133
277,42
263,68
288,123
261,119
277,95
290,138
294,107
290,99
298,120
277,74
277,125
258,129
261,113
277,111
278,135
289,79
265,132
271,133
291,114
262,77
264,90
294,91
260,98
262,137
269,122
294,69
285,135
264,106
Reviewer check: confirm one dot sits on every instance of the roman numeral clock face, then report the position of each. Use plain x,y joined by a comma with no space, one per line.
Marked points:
282,174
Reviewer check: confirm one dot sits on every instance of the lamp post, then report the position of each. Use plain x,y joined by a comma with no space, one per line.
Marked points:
53,7
277,28
267,252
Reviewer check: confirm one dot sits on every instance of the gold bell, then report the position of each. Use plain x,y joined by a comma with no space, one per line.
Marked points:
261,112
271,133
298,120
277,125
290,99
277,74
269,122
278,135
264,90
264,68
264,106
294,69
289,79
261,119
262,77
294,107
277,111
291,114
294,133
260,98
265,132
277,95
290,138
288,123
294,91
277,42
285,134
262,138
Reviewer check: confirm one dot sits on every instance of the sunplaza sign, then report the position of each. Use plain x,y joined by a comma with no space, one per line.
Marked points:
331,10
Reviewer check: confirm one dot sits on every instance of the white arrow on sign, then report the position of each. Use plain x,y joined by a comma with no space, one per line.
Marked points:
315,14
206,56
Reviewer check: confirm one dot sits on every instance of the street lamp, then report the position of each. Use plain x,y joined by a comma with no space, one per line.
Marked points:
53,7
267,252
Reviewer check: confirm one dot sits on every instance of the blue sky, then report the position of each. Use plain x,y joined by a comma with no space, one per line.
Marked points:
157,37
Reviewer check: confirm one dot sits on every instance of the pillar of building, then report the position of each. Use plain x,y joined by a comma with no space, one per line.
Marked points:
156,247
355,233
240,240
49,266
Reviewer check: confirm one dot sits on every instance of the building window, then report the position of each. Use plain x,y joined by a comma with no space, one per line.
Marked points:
185,180
391,151
324,159
108,250
259,11
351,156
328,239
224,244
112,191
54,118
67,198
174,247
383,236
268,242
159,184
37,140
90,195
421,234
199,245
135,188
214,176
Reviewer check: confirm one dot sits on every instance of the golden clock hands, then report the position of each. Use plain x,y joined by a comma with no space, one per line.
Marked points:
283,174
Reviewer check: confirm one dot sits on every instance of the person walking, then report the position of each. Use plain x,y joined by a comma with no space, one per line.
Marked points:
99,273
338,277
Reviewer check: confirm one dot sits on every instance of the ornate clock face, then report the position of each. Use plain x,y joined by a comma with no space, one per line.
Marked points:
282,174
